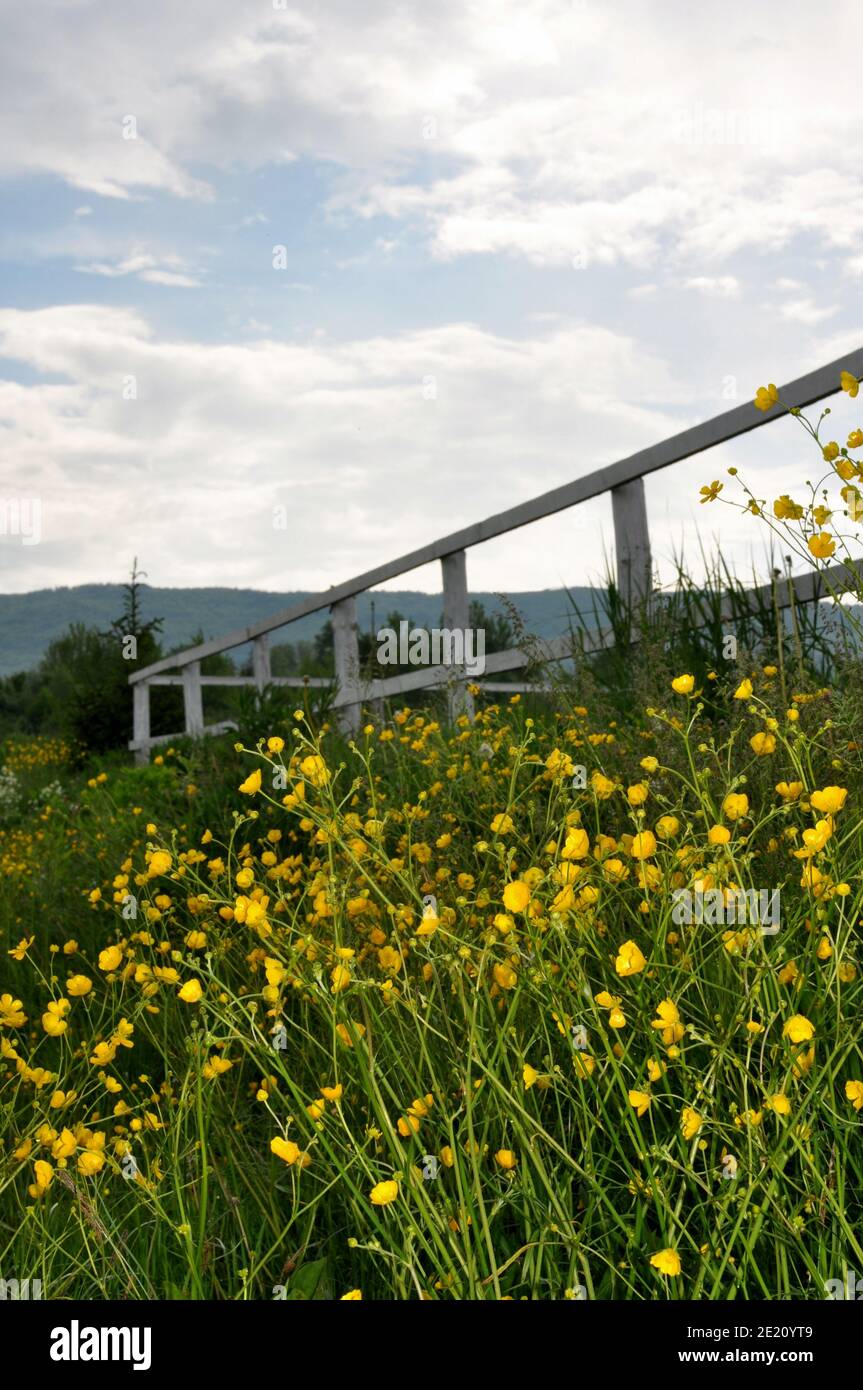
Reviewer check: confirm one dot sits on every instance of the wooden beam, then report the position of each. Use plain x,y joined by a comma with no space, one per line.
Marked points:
631,543
456,617
192,701
261,660
801,392
347,662
141,720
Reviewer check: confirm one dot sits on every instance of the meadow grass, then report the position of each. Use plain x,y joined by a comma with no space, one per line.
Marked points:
415,1018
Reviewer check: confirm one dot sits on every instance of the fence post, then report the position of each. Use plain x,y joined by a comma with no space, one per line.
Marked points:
456,615
632,543
346,652
261,660
141,720
192,702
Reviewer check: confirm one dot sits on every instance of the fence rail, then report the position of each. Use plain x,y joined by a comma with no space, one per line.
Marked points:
623,479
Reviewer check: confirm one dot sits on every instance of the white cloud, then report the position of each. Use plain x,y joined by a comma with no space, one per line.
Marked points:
717,286
807,311
145,267
375,446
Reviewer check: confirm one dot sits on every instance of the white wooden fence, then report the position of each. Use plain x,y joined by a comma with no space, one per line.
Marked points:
624,480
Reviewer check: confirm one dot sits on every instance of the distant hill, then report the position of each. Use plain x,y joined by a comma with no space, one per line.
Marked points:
29,622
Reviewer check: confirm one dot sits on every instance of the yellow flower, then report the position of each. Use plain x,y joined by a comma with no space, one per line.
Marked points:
718,835
789,791
683,685
353,1296
766,397
502,824
516,896
762,744
637,794
668,1022
736,805
711,492
506,1159
160,863
630,960
110,958
849,383
667,827
822,546
667,1261
784,509
798,1029
315,770
285,1149
191,992
640,1102
744,690
505,976
530,1076
90,1163
384,1192
854,1093
252,783
690,1122
44,1173
78,986
576,845
603,787
340,978
779,1103
643,845
829,800
275,744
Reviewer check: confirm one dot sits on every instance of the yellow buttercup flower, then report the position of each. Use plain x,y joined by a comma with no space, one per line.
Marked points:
516,896
766,397
798,1029
252,783
822,545
630,960
667,1262
384,1192
849,383
683,685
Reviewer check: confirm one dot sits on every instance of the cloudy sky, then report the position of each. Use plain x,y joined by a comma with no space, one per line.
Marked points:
394,266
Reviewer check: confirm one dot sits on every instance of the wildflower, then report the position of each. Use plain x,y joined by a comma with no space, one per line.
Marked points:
576,845
690,1122
353,1295
718,835
637,794
829,800
78,986
798,1029
505,976
506,1159
340,978
285,1149
502,824
160,862
762,744
849,383
384,1192
110,958
667,827
44,1174
822,545
778,1103
191,992
744,690
668,1022
11,1012
784,509
19,952
643,845
640,1102
736,805
630,960
516,896
711,492
252,783
683,685
854,1093
667,1261
789,791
